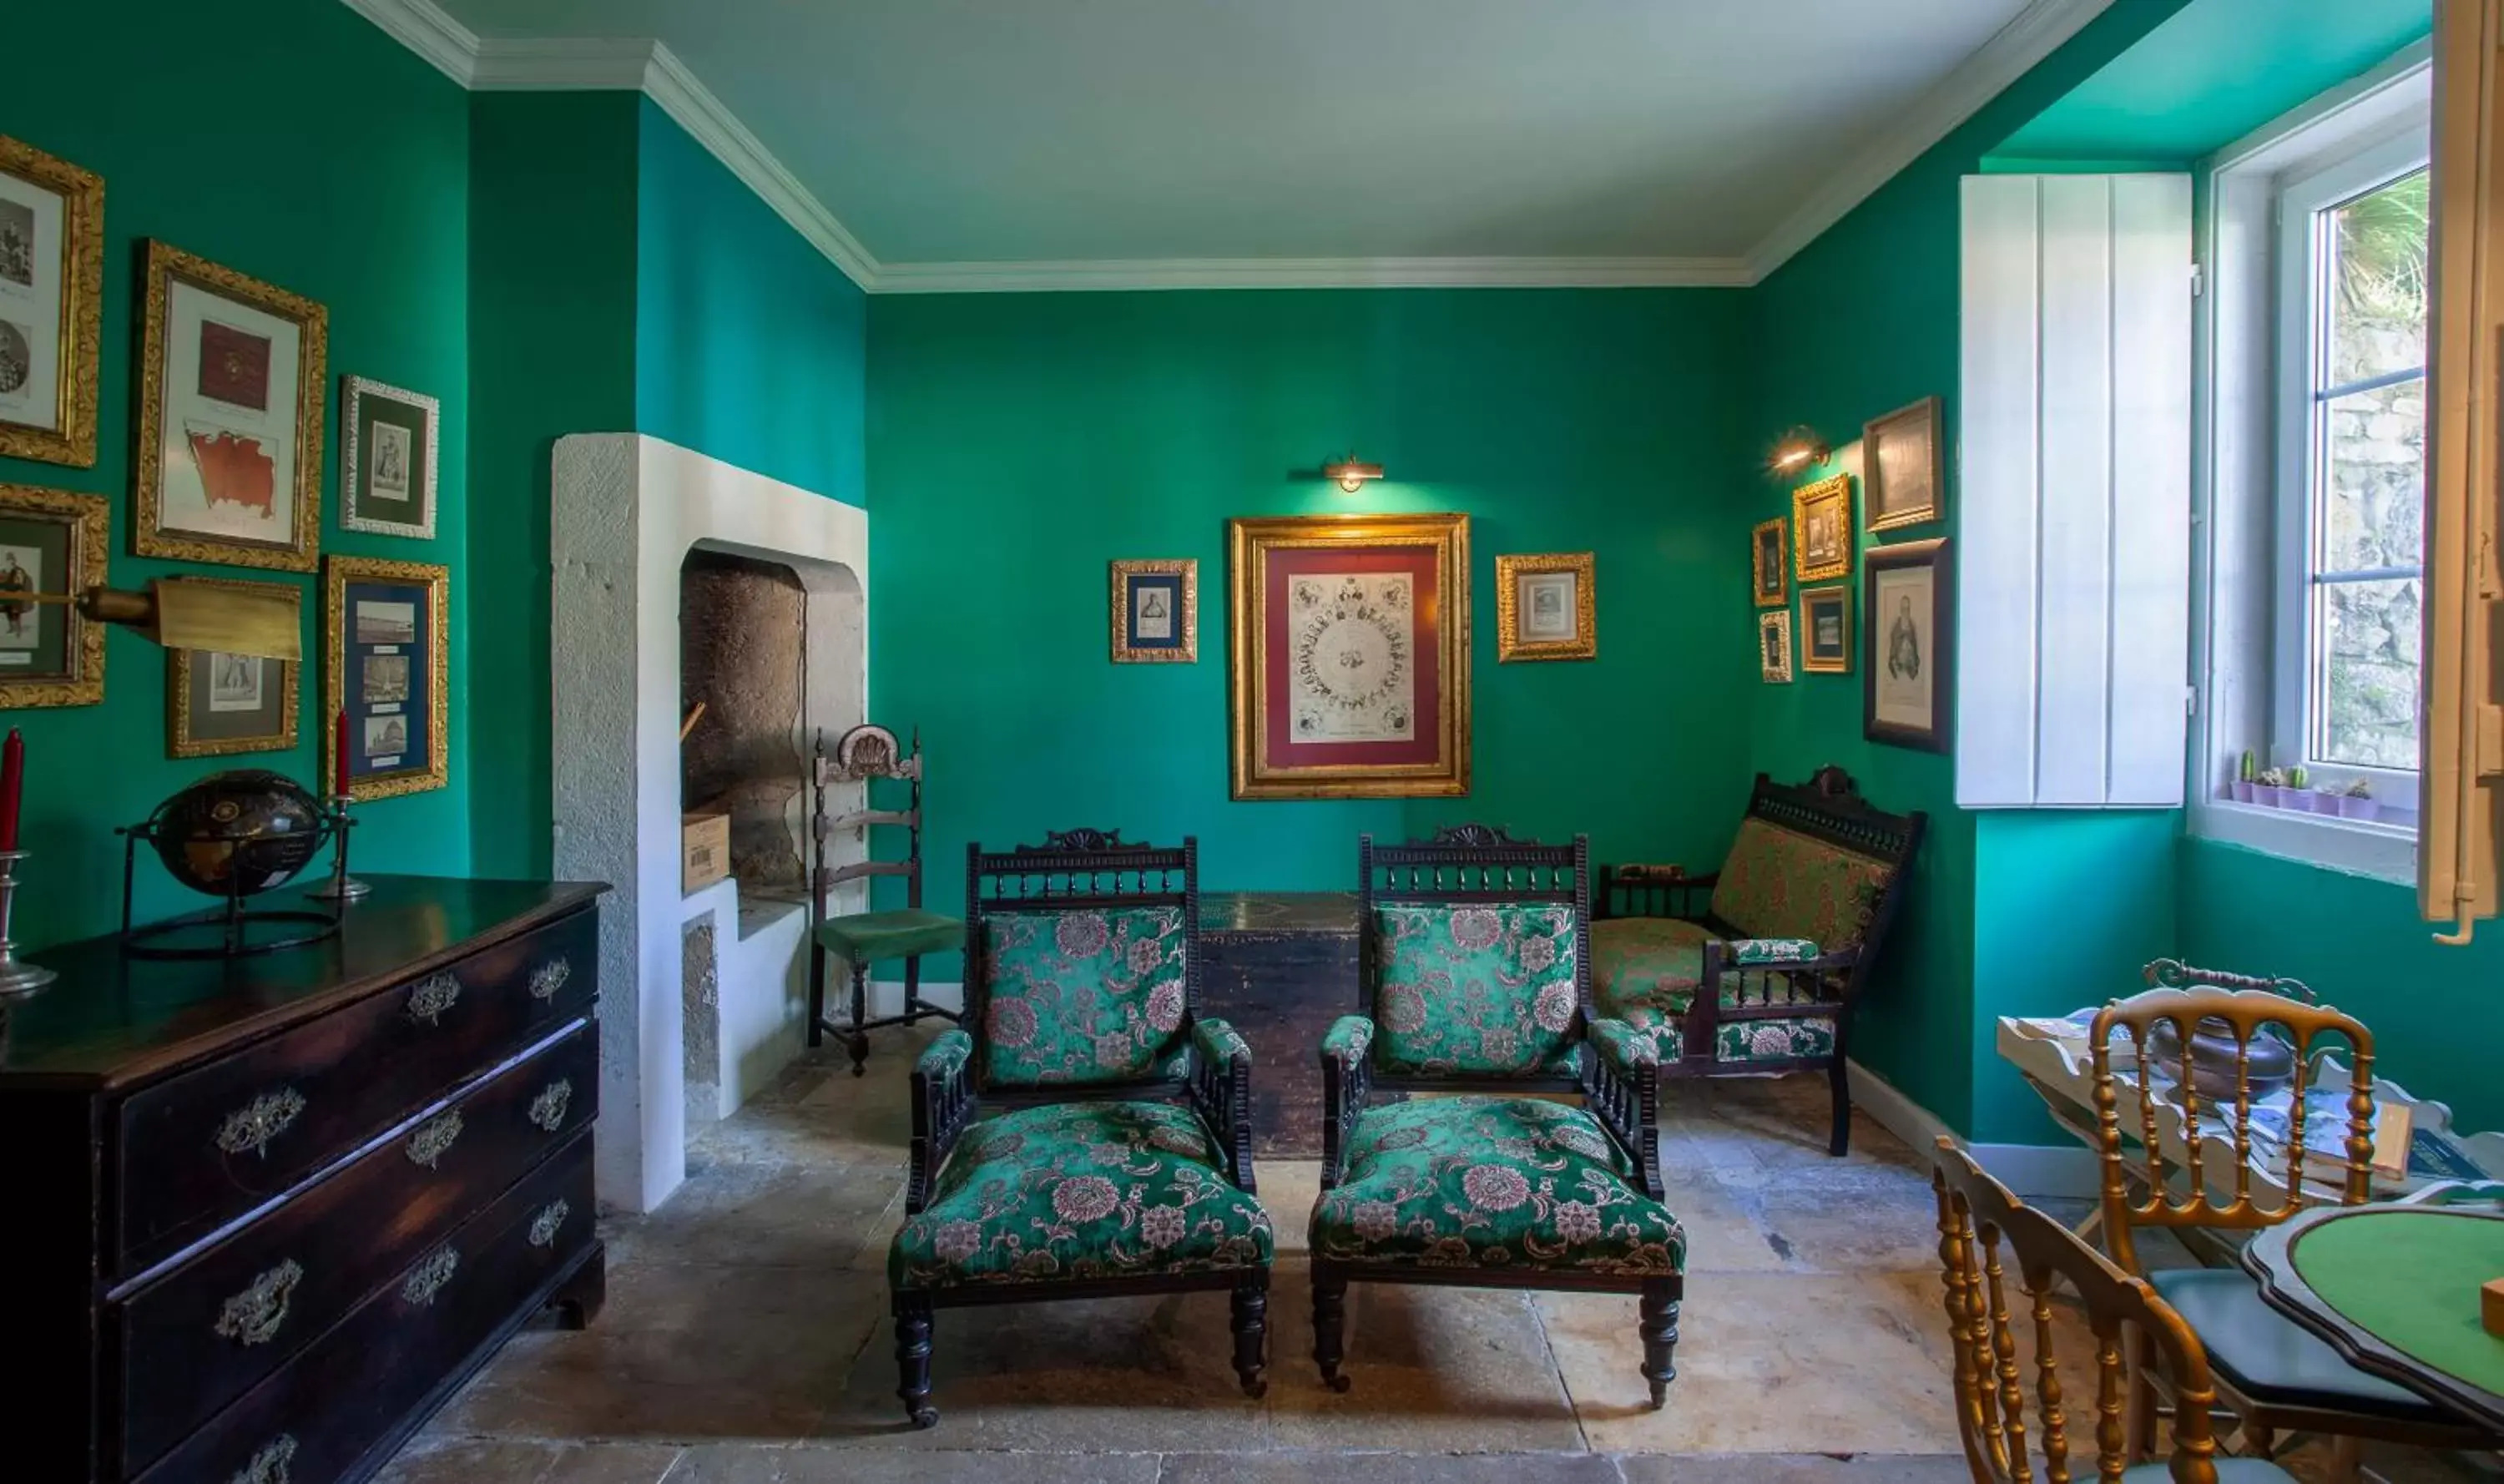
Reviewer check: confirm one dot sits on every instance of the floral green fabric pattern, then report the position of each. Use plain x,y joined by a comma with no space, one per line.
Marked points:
1780,883
1486,1182
1081,996
946,1057
1348,1039
1488,990
1646,960
1624,1048
1649,1036
1760,950
1080,1191
1218,1041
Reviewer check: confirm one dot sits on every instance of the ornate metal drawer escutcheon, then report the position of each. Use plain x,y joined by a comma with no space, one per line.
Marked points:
550,977
249,1130
433,996
269,1465
252,1316
550,1220
547,1110
432,1138
429,1278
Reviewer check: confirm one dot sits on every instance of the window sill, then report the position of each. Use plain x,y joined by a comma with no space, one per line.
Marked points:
2382,850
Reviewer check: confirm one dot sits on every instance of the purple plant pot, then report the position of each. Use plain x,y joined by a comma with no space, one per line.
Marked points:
2322,802
2269,795
2359,809
2240,790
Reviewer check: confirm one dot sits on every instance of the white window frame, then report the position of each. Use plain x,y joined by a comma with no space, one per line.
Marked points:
2303,317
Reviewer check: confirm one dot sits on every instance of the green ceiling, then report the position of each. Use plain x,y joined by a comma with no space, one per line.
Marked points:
2215,72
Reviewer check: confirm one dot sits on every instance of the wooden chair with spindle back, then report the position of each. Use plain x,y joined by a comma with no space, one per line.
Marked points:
2273,1374
864,755
1978,1217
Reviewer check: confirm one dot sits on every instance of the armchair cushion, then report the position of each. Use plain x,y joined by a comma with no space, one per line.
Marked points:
2269,1357
1482,989
875,937
1778,883
1492,1182
1080,1191
1081,997
1646,960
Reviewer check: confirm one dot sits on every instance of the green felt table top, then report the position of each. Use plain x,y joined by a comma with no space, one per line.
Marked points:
2410,1277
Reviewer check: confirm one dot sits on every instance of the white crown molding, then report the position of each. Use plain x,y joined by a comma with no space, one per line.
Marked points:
422,26
1312,273
564,64
2032,35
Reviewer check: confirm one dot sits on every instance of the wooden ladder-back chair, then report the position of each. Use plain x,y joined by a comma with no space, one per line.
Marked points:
1979,1218
2272,1373
865,755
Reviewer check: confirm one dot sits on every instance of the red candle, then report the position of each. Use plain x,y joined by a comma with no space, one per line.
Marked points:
12,778
338,756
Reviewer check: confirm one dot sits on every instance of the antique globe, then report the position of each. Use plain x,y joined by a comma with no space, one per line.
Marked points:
238,833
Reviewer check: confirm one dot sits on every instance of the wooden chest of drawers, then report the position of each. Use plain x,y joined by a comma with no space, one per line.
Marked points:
271,1212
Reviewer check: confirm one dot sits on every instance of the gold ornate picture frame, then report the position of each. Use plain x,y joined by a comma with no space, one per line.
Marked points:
232,379
1769,562
1774,646
1348,656
1822,529
1825,631
1546,608
1155,612
51,305
1903,467
386,661
52,543
219,704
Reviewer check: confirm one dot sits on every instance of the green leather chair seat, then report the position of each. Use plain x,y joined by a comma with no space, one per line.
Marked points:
873,937
2271,1359
2230,1471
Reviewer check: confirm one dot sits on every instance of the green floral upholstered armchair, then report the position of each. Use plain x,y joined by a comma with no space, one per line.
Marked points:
1754,968
1474,972
1119,1159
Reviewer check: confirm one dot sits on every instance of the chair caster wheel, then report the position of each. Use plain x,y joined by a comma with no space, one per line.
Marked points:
1256,1390
1338,1384
924,1418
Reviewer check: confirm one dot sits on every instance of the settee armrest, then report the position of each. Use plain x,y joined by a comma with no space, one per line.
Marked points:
1221,1090
1768,973
1621,1085
1652,890
943,1104
1347,1076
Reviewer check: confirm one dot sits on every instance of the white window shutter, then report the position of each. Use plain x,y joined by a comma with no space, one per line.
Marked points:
2073,600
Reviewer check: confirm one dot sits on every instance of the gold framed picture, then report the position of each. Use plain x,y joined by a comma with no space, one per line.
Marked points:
1825,631
1822,529
386,458
1546,608
217,705
51,544
1348,656
1768,563
51,305
1156,612
1904,468
1774,645
385,662
231,378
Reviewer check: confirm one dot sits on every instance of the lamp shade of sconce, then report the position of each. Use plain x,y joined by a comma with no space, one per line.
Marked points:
1349,475
197,616
1799,449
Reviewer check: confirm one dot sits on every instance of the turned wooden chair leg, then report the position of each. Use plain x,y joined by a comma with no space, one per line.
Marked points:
1251,1338
2346,1460
859,1042
2258,1441
1660,1331
1329,1326
913,1361
817,994
1839,1084
2143,1407
913,990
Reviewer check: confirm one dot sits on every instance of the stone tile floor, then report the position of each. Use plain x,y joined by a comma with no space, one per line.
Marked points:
745,1338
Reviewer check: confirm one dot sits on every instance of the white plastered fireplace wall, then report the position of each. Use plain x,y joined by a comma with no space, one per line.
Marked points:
627,510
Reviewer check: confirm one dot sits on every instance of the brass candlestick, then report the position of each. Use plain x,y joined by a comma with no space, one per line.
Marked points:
18,978
342,887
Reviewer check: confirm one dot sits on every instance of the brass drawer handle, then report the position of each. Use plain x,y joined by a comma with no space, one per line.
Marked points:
252,1316
269,1465
550,977
249,1130
431,1276
433,996
547,1110
432,1138
546,1225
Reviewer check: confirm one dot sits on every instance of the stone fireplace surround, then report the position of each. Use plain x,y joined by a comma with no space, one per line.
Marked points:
627,509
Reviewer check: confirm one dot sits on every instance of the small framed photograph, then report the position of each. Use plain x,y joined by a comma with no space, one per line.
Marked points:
1825,631
221,703
384,662
387,444
1902,463
1768,562
232,382
1822,529
51,305
1156,612
52,543
1908,639
1546,608
1774,645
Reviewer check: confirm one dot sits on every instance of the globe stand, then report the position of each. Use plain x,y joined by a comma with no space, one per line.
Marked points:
18,978
230,930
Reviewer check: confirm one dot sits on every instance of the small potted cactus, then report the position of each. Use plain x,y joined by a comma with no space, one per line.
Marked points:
2357,801
2241,790
2269,788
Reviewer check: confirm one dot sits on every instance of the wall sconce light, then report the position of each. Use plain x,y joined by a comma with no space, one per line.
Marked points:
1799,449
1350,475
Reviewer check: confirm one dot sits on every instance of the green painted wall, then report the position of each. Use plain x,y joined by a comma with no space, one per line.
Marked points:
317,155
1019,443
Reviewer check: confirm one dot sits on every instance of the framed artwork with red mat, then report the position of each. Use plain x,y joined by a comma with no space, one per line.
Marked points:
1349,656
